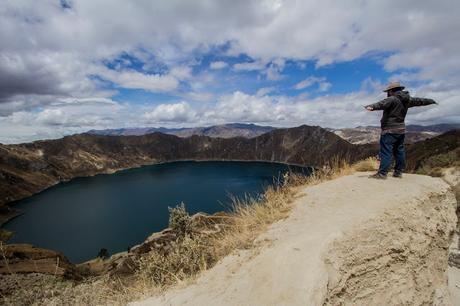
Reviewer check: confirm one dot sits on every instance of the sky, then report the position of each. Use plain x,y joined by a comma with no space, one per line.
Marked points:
69,66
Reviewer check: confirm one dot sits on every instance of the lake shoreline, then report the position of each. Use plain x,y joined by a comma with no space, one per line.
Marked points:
5,218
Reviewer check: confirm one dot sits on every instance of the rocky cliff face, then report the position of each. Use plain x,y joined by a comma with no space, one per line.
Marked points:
26,169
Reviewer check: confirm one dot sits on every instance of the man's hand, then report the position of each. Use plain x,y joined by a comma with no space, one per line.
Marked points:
368,108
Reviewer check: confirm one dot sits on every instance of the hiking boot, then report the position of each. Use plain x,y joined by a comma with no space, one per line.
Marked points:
378,176
397,174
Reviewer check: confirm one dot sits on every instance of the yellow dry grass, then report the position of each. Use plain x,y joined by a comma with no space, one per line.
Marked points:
368,164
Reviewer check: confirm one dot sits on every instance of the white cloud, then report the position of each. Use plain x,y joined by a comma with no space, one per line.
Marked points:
323,85
271,69
177,112
181,72
265,90
64,117
137,80
306,83
218,65
344,110
249,66
241,107
263,30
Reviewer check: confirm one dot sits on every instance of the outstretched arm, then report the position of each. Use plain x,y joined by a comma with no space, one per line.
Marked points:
414,101
381,105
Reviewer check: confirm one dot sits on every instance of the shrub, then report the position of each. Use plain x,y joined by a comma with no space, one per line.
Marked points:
179,220
103,253
5,235
186,257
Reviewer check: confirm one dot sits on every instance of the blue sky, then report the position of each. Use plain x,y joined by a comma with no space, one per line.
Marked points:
343,77
70,66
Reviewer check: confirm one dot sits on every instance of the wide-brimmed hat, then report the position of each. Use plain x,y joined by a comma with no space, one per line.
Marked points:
393,85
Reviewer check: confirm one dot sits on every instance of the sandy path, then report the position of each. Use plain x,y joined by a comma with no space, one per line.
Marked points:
290,267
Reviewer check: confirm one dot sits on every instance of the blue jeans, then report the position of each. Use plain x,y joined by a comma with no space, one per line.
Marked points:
392,145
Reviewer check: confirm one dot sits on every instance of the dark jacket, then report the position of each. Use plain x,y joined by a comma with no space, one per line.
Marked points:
395,109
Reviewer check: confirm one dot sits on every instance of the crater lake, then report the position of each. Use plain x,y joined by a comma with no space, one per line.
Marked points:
117,211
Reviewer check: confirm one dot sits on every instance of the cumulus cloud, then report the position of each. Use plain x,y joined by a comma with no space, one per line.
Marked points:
343,110
63,117
178,112
218,65
291,111
339,110
263,30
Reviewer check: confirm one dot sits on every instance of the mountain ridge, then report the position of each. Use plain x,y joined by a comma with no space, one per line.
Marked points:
228,130
356,135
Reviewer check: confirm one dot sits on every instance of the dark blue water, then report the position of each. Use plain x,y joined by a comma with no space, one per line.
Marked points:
120,210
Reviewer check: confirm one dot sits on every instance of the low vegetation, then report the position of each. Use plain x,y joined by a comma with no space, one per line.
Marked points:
5,235
368,164
435,164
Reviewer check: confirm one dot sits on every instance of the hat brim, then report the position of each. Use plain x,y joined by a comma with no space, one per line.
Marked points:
388,89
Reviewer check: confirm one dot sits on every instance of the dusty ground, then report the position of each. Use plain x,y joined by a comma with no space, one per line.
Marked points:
454,285
350,241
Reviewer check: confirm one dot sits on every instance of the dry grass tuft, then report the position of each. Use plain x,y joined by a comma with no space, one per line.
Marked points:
187,257
368,164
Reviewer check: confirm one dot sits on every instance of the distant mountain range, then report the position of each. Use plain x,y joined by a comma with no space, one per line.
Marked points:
358,135
222,131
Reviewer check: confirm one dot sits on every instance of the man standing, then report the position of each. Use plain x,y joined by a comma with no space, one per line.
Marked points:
394,108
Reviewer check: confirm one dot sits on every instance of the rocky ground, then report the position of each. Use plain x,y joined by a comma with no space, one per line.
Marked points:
350,241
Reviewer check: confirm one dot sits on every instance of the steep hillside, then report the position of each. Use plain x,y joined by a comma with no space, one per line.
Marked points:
371,134
438,152
26,169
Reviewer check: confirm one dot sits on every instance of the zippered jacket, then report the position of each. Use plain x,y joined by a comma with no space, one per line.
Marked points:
395,109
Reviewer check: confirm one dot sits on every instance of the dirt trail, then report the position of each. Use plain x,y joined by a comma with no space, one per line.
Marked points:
351,241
